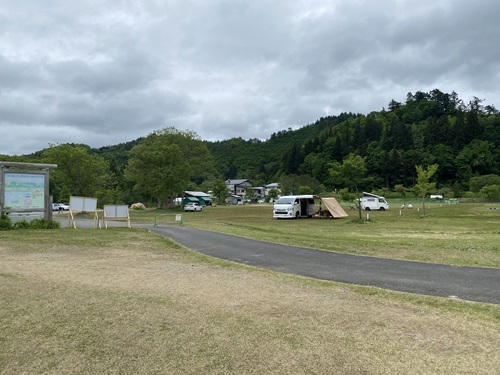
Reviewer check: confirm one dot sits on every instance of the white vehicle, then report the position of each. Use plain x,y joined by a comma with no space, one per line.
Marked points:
193,206
294,206
373,202
60,207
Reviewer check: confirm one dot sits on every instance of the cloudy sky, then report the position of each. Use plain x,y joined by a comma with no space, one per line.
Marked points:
103,72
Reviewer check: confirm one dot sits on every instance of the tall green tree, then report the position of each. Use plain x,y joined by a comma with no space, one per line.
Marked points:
423,185
272,194
78,172
164,162
219,190
352,172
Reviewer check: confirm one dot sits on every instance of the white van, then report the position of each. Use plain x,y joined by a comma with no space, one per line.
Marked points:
373,202
294,206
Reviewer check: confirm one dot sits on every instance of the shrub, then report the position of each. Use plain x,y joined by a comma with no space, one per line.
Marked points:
43,224
23,224
5,222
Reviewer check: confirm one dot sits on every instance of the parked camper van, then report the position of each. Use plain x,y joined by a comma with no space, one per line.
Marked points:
294,206
373,202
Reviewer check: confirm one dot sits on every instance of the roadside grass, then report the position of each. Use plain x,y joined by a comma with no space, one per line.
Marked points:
463,234
126,301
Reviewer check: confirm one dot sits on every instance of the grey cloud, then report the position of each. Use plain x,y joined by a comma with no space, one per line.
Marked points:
111,71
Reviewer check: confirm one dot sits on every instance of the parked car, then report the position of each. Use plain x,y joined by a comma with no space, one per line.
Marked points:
193,207
60,206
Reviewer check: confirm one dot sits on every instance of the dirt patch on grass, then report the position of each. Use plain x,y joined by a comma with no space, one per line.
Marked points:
146,306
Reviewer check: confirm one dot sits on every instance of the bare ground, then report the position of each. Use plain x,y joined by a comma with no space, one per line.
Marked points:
145,306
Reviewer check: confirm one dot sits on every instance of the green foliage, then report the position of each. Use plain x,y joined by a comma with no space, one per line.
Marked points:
423,177
290,184
78,172
428,128
346,195
491,191
5,222
424,185
400,189
163,164
304,190
272,194
219,190
22,224
109,196
350,172
478,182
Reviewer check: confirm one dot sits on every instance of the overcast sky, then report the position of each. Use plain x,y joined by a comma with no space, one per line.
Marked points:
103,72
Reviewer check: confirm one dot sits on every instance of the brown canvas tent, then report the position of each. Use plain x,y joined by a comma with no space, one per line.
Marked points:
334,207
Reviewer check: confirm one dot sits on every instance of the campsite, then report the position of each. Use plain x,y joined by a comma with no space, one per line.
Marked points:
126,301
463,234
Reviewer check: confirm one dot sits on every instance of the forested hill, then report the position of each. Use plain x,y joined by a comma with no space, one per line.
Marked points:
428,128
262,161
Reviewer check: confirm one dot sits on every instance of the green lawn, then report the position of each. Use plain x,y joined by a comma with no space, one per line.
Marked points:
463,234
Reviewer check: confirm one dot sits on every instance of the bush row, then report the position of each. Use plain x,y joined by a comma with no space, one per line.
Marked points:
6,223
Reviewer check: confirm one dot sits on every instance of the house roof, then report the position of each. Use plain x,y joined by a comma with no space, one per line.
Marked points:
197,194
236,182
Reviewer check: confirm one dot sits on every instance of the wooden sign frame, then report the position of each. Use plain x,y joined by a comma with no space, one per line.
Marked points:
82,204
116,212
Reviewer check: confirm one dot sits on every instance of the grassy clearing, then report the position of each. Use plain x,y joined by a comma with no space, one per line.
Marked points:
122,301
465,234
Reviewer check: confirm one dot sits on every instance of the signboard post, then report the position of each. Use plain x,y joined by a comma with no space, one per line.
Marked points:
82,204
116,213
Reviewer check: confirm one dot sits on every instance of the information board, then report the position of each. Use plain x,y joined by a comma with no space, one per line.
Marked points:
24,191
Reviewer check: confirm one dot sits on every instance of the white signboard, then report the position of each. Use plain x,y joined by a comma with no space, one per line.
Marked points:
82,204
116,212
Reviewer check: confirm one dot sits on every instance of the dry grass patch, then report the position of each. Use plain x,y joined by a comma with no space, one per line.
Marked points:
129,302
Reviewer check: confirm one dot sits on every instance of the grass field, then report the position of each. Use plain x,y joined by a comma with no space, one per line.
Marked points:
464,234
123,301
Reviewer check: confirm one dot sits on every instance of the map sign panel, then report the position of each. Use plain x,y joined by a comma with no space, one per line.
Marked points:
24,191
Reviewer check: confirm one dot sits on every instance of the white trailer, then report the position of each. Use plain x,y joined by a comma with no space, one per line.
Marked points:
373,202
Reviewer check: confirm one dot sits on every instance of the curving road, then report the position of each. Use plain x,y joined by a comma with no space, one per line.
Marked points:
467,283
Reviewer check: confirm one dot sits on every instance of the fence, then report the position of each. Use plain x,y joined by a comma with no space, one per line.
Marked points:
168,219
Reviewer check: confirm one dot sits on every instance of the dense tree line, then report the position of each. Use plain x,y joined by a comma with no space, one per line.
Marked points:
433,128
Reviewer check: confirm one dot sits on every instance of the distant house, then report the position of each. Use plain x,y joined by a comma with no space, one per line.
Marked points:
259,191
234,199
237,190
200,197
238,187
268,187
263,191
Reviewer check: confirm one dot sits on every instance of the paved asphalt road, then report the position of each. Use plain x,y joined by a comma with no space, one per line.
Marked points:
467,283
